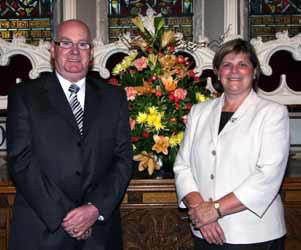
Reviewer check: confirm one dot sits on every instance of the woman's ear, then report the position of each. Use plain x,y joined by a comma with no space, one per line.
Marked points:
255,74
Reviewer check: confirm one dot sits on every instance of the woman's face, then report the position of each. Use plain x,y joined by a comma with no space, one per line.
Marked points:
236,74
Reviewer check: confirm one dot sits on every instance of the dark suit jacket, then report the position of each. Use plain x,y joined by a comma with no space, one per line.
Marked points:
56,170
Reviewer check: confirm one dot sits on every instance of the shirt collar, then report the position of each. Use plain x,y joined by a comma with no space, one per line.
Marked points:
66,83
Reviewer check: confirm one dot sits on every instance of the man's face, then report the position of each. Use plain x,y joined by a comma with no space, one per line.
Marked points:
72,63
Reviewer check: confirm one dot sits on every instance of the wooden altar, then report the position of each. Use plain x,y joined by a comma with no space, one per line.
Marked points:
151,219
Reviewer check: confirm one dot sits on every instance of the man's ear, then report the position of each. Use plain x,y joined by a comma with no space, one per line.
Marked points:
91,54
91,57
52,49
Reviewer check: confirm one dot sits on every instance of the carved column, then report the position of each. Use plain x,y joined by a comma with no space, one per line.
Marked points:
230,17
69,9
102,22
198,19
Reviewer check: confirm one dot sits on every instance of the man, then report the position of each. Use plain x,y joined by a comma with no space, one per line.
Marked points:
70,173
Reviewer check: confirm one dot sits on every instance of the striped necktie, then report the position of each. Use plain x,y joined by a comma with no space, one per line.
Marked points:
76,108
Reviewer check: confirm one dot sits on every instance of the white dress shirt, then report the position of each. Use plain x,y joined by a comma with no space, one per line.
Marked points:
80,94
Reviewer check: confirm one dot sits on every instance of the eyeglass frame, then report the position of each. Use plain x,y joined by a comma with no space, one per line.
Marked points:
58,43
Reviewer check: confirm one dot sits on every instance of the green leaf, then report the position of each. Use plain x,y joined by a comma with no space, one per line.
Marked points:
159,24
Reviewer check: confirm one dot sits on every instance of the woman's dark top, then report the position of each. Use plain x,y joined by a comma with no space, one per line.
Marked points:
225,117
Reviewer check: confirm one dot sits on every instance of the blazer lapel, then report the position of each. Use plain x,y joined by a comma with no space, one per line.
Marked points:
58,100
215,118
245,107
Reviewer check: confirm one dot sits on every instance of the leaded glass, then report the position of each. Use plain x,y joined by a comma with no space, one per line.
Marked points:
28,18
266,17
177,15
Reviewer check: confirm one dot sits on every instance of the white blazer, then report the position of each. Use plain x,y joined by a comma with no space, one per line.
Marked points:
248,157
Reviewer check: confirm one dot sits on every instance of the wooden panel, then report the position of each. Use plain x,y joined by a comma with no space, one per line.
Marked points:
159,197
151,219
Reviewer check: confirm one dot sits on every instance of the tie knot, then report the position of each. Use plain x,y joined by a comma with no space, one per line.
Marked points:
74,88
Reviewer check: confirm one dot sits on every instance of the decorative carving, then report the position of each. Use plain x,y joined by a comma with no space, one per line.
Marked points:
283,94
155,228
39,57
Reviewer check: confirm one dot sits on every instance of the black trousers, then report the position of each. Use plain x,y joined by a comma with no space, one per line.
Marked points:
277,244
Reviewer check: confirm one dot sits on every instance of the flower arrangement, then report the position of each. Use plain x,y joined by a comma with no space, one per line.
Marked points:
161,88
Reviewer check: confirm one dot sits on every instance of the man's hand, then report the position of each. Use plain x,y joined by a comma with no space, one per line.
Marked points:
78,221
85,235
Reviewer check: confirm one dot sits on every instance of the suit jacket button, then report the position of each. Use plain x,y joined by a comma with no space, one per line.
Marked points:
78,173
79,143
213,152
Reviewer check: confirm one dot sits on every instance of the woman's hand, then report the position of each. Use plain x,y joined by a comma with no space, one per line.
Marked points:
203,214
213,233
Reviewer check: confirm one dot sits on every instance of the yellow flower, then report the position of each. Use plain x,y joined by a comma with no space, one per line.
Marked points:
169,83
153,110
180,137
117,69
200,97
175,140
167,38
142,118
157,123
161,144
153,60
151,119
132,56
147,160
138,22
125,63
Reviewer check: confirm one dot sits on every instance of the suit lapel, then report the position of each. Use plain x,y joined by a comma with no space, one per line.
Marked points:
92,105
58,100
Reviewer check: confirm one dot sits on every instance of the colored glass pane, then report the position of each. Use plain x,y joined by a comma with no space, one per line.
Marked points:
127,8
266,18
28,18
177,15
25,9
275,7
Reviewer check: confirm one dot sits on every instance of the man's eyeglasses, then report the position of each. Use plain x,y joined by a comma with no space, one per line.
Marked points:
69,45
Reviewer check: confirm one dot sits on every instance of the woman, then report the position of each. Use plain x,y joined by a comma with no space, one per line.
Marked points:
231,163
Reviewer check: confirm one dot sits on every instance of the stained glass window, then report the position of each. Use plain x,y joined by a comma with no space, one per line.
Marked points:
28,18
177,15
266,17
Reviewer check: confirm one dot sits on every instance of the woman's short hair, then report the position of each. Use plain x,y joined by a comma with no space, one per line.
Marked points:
236,46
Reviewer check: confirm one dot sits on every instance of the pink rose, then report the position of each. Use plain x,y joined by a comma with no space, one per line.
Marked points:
158,92
132,123
191,73
113,81
145,134
131,93
184,119
141,63
135,139
180,93
188,106
132,71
